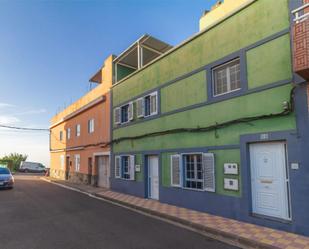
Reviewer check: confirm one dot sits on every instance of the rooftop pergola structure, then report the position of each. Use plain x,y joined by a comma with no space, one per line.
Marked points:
139,54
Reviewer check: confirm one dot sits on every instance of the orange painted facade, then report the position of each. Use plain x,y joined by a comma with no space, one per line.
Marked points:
81,133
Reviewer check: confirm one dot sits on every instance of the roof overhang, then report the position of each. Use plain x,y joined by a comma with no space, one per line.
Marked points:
97,77
142,52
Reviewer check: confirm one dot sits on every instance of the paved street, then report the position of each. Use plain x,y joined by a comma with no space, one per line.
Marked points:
39,215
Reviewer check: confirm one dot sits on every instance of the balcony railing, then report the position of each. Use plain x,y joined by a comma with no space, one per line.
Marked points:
299,13
301,41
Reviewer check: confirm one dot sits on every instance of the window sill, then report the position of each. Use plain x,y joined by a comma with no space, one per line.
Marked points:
226,93
189,189
124,179
148,116
123,123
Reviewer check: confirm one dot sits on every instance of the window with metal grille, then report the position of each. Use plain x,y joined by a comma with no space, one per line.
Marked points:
147,105
125,167
193,167
226,78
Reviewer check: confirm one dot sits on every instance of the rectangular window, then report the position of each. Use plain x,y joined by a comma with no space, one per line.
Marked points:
61,135
125,113
68,133
91,125
193,169
125,167
78,130
147,105
226,78
77,162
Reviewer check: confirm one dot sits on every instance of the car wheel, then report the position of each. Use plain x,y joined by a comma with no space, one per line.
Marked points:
26,171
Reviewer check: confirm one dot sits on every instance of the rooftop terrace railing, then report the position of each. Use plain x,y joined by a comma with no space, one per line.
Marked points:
299,13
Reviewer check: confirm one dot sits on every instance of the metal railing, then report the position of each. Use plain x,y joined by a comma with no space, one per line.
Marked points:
299,14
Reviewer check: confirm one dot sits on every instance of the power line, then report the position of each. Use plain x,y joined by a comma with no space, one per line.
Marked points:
22,128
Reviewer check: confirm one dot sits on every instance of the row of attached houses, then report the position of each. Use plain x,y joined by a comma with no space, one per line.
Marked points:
217,124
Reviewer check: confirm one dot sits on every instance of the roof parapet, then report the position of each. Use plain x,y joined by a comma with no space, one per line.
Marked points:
221,10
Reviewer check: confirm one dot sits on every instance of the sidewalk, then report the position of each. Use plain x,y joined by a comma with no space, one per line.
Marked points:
238,233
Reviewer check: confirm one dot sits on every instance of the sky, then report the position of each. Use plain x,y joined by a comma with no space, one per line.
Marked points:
50,49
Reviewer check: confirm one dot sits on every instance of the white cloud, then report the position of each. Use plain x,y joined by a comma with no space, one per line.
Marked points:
3,105
30,112
8,120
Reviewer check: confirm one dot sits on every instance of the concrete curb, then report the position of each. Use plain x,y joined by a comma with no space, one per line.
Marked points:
217,234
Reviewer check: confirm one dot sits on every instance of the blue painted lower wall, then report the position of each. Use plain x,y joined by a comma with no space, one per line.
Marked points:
128,187
240,208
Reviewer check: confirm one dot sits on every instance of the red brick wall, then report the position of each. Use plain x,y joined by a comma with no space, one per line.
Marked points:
307,9
301,47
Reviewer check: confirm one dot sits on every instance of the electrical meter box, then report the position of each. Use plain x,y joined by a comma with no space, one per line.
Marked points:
231,168
231,184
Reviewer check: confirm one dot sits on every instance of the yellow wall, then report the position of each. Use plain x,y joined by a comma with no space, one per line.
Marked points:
221,12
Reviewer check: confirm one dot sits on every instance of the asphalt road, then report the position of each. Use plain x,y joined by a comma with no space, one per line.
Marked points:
39,215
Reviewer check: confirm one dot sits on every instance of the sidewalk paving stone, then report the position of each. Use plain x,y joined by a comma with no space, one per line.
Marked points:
243,234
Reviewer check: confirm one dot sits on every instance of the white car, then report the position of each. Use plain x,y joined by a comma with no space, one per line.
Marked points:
32,167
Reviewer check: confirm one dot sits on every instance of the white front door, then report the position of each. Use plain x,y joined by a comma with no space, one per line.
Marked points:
153,177
269,180
103,171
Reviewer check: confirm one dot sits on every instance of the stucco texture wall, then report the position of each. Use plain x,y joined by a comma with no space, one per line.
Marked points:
101,115
260,20
266,64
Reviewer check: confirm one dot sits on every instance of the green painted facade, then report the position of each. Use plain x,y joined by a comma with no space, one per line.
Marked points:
266,64
270,62
123,72
174,97
260,20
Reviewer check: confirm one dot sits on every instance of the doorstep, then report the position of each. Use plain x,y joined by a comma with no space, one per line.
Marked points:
238,233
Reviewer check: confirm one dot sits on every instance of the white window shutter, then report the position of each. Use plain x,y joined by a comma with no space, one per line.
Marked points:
117,166
117,115
176,171
132,167
62,162
209,172
77,162
140,107
130,111
154,103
